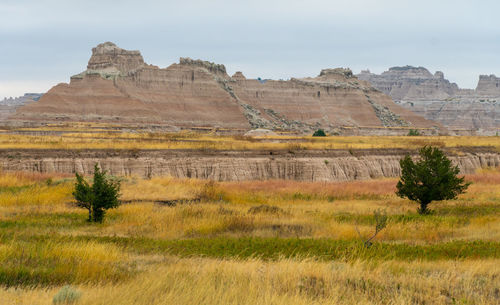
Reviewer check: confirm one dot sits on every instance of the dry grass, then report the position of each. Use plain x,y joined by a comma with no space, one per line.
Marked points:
209,281
36,195
16,179
160,188
46,242
53,262
96,137
317,210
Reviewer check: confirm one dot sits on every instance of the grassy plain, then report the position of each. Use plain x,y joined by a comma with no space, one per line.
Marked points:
255,242
91,136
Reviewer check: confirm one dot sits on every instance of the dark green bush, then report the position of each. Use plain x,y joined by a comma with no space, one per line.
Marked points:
319,133
99,197
432,178
414,133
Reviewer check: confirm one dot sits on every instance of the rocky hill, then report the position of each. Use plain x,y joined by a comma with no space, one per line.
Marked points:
118,86
411,83
435,98
9,105
488,86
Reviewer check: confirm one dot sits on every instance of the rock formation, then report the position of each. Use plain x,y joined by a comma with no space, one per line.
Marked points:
108,58
119,87
462,116
463,111
488,86
411,84
333,165
8,106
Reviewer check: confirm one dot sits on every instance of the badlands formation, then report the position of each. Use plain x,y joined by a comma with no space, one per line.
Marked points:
9,105
299,165
434,97
119,87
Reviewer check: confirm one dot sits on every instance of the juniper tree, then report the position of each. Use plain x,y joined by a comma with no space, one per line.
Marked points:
431,178
98,197
319,133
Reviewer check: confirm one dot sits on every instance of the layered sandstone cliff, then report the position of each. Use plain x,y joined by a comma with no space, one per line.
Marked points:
8,106
118,86
488,86
411,83
334,165
463,116
435,98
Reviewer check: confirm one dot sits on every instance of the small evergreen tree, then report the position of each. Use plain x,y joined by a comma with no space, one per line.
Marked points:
319,133
102,195
413,133
432,178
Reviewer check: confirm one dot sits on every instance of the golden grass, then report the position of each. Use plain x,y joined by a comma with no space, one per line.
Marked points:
37,195
106,273
81,261
160,188
306,209
94,138
43,235
210,281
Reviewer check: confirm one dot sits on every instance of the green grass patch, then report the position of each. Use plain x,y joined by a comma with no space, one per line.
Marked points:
468,210
274,248
54,220
45,260
323,249
330,197
453,216
14,189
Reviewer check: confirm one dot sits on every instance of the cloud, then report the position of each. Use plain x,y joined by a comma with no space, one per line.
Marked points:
52,39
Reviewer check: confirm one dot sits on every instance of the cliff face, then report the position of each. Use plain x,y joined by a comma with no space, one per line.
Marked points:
119,87
109,58
435,98
234,166
488,85
411,84
8,106
461,116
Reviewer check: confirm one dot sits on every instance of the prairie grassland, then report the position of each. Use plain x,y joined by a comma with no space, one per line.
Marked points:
95,138
290,209
255,242
253,281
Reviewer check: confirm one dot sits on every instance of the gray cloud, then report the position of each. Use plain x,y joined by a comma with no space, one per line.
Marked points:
44,42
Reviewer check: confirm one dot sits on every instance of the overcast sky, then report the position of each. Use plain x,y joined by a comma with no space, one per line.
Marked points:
43,43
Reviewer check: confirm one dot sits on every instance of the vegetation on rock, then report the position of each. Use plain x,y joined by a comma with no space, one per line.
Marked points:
414,133
319,133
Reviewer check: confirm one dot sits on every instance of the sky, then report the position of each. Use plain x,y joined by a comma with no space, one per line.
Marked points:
43,43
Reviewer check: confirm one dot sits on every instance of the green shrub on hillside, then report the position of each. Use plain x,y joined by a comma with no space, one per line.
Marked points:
414,133
319,133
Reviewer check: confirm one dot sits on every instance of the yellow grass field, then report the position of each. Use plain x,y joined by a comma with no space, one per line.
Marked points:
254,242
188,241
92,136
